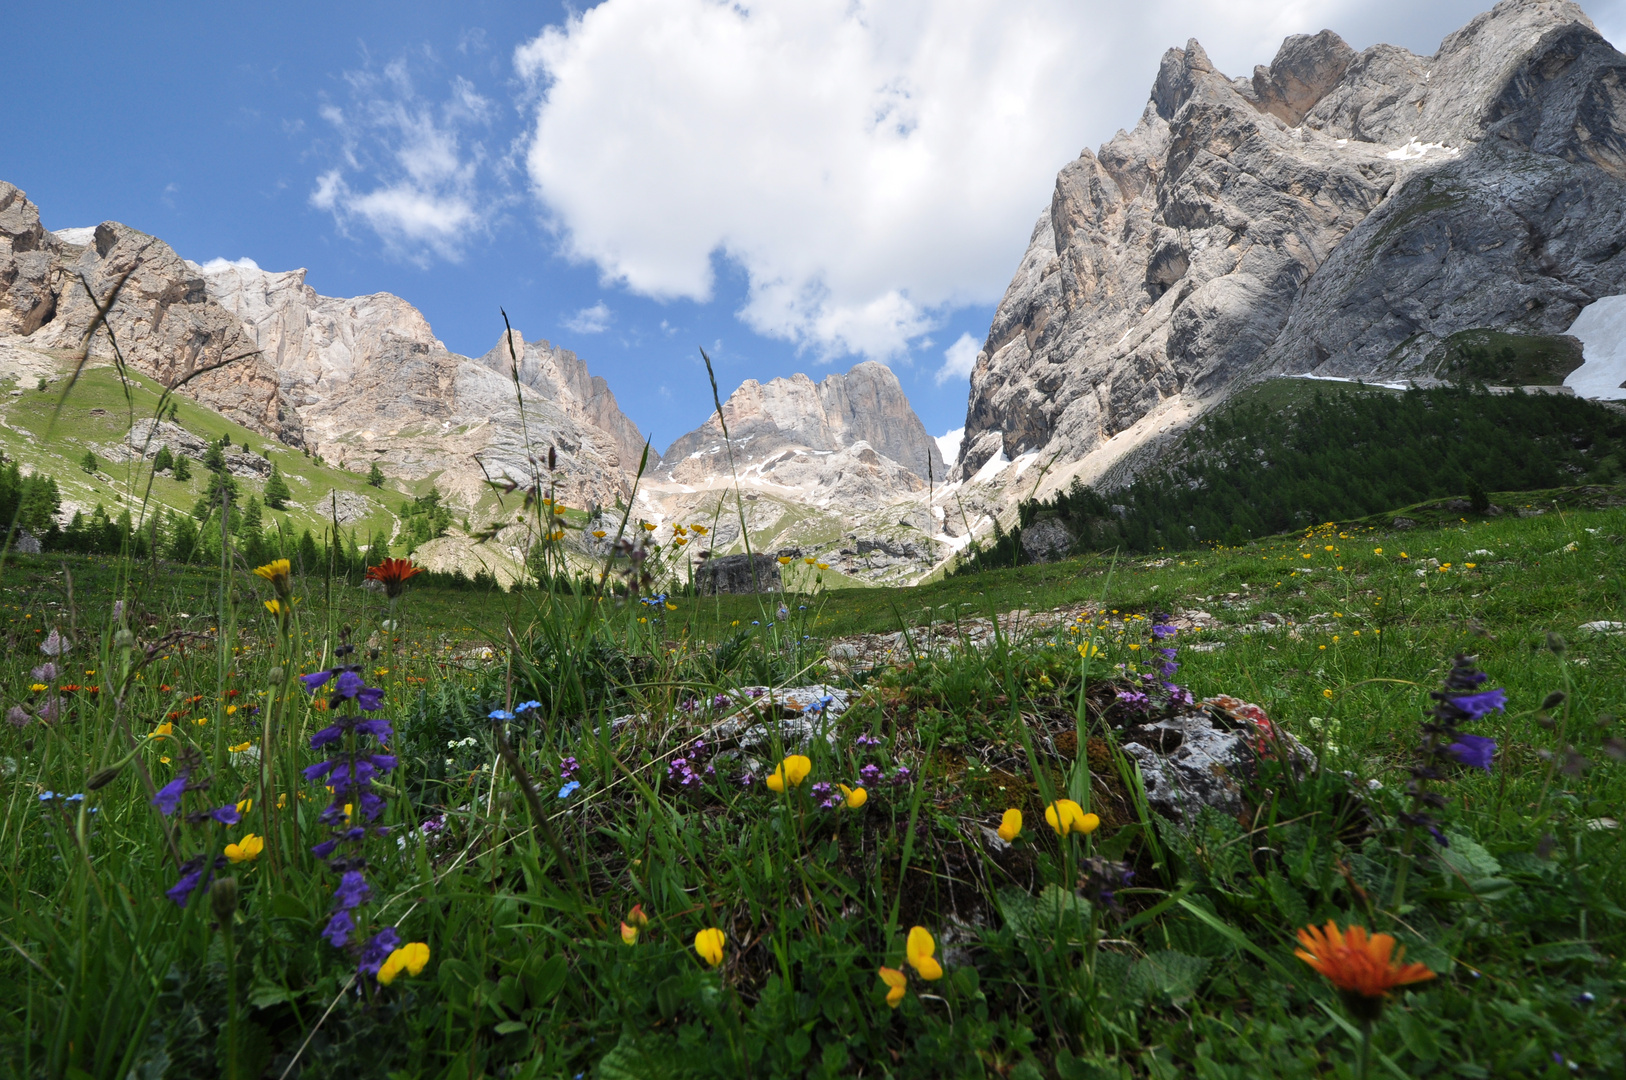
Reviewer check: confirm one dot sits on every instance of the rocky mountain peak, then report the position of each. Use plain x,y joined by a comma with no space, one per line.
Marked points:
561,376
1339,214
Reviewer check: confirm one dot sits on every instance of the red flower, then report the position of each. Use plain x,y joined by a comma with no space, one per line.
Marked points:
392,574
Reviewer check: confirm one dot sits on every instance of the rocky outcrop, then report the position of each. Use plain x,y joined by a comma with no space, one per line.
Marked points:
737,574
1337,214
163,321
371,382
560,376
764,420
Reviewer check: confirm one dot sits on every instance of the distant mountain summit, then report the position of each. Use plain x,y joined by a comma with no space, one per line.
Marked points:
1339,213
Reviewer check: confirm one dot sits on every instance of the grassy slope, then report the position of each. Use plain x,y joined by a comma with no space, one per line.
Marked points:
26,421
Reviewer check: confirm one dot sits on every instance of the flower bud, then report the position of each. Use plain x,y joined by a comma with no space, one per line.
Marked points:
1553,700
223,899
102,779
1555,644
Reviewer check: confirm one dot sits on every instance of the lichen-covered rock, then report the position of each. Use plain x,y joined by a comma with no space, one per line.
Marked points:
1202,757
737,574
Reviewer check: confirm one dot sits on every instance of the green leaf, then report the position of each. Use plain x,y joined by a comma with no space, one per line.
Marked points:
545,978
1558,952
630,1060
508,1027
289,906
264,994
1468,857
1167,976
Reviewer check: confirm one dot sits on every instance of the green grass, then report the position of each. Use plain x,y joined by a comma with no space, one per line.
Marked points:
1190,973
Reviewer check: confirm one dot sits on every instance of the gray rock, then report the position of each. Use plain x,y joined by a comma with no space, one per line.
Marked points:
1403,523
1341,214
737,574
1201,758
1046,540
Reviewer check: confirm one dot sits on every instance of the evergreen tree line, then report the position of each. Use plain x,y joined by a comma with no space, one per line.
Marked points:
1251,470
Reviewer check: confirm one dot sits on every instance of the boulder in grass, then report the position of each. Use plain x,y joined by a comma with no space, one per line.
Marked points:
1201,757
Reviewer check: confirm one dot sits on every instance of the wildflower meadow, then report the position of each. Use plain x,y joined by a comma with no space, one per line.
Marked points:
289,818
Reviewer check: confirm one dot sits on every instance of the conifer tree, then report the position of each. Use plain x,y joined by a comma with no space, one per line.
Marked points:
183,467
276,490
163,460
375,476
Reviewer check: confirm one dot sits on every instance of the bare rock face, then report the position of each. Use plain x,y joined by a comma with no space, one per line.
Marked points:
371,382
867,404
738,574
164,322
1337,214
560,376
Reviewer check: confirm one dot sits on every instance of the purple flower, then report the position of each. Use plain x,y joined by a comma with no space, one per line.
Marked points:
903,775
339,928
191,875
721,701
324,849
747,779
567,768
17,716
378,950
1477,705
55,644
332,733
864,742
349,685
45,672
226,815
319,770
168,799
1163,630
870,775
1134,700
370,698
378,729
824,794
1474,751
353,890
316,680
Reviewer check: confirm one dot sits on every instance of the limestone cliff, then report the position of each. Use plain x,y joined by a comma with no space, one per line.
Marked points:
768,420
1339,213
163,321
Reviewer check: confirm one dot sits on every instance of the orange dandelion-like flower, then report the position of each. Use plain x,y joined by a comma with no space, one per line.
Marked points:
392,574
1363,967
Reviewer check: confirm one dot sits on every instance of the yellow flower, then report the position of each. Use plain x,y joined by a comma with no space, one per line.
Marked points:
230,709
679,529
1328,548
1066,816
274,607
1326,693
245,806
276,572
240,747
856,797
1133,646
897,985
647,526
245,850
1010,826
699,530
1088,649
824,566
680,540
636,921
709,944
557,534
600,533
671,606
200,721
1470,565
784,560
918,952
1403,555
409,958
810,562
37,687
1306,555
790,772
1377,551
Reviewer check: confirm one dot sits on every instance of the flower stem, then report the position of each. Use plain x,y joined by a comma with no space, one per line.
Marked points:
1364,1065
1405,865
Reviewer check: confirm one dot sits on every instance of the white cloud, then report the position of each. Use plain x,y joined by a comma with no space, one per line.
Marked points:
217,264
870,166
590,320
958,359
408,170
948,444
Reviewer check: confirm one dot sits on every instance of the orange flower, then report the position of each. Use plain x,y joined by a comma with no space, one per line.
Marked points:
897,986
392,574
1363,967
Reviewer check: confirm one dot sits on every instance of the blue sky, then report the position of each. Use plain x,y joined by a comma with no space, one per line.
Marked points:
795,186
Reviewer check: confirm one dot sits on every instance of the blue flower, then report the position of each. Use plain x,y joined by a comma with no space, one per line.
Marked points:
1477,705
527,706
49,795
1474,751
378,950
569,789
339,928
226,815
352,891
168,799
499,714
